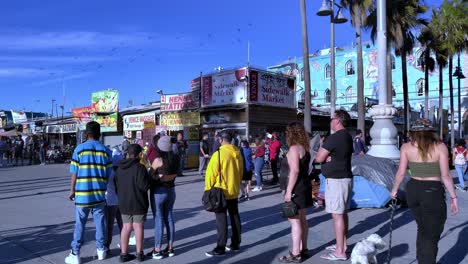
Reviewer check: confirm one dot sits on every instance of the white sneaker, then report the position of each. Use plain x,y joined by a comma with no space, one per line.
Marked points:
257,189
132,241
73,259
101,254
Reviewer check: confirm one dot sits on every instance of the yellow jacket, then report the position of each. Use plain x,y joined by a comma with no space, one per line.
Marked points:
231,170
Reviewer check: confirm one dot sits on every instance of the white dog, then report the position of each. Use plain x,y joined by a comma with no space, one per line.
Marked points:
365,251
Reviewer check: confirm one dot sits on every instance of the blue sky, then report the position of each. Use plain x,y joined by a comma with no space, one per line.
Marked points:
49,47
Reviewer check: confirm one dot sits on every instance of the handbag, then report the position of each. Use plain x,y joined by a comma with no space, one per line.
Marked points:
213,199
289,209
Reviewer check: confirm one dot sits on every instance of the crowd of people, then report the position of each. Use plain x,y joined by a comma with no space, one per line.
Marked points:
115,186
16,151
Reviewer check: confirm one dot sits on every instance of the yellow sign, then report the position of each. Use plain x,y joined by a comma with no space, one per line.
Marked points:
193,133
176,121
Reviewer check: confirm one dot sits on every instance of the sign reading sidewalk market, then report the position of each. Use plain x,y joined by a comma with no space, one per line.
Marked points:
108,122
224,88
182,101
105,101
177,121
271,89
137,122
82,116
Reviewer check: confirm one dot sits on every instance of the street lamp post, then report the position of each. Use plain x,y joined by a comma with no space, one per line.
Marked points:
328,9
459,74
383,131
305,49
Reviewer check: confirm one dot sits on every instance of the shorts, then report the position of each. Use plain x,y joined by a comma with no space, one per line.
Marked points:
247,176
130,219
338,195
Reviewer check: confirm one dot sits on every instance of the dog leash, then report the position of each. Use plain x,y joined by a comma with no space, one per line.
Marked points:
393,205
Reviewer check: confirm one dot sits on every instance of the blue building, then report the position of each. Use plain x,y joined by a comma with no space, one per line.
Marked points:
346,79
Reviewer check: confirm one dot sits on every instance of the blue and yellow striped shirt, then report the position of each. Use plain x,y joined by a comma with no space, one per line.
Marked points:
92,164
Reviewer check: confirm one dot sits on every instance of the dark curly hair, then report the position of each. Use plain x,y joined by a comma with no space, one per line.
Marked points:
296,135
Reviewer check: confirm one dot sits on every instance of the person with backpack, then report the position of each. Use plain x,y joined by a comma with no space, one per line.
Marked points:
459,161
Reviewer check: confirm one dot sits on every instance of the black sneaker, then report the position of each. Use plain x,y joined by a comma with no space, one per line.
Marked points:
305,253
232,248
141,256
157,255
218,252
126,257
169,252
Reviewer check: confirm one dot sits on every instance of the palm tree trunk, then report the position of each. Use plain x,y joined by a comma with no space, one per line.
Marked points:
452,116
404,74
361,122
426,83
441,100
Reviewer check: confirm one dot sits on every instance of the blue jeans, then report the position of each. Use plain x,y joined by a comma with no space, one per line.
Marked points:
181,165
259,163
81,216
461,174
164,201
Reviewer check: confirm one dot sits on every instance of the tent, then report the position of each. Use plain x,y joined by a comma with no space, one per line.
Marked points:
373,181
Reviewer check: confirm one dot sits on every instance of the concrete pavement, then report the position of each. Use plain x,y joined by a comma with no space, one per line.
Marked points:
37,221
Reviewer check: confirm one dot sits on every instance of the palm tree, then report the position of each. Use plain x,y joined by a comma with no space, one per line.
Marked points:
453,25
432,38
358,10
426,39
402,17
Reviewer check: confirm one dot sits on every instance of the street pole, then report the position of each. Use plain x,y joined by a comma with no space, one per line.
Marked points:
383,131
305,49
332,60
52,110
459,101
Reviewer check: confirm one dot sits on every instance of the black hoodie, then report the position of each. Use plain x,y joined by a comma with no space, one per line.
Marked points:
132,183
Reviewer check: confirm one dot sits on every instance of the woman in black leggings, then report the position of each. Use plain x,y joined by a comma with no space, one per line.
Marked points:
428,164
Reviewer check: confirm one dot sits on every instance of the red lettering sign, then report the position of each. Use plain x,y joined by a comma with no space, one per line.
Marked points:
253,86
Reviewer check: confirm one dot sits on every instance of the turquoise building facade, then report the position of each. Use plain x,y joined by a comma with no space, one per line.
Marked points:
346,79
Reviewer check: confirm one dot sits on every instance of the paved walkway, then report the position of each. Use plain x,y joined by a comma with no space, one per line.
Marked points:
36,225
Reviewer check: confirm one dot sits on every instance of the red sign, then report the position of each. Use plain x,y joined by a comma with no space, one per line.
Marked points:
253,86
207,88
82,115
184,101
195,84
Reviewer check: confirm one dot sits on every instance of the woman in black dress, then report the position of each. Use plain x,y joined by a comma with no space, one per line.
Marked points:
299,190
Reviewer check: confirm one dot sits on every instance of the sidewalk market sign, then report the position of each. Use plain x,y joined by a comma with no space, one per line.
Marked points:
177,121
18,117
271,89
137,122
224,88
182,101
106,101
82,116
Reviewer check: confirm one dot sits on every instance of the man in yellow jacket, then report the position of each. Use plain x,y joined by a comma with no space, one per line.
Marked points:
230,169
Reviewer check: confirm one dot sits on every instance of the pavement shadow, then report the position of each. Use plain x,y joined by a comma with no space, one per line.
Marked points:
33,194
458,252
264,257
396,251
43,240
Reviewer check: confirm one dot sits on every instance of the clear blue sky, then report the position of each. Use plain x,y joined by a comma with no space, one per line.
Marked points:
137,47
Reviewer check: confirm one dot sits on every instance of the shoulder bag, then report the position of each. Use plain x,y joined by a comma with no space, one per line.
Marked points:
213,199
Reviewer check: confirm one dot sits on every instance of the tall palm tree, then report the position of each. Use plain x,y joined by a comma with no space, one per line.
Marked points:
358,10
453,24
432,37
427,40
402,18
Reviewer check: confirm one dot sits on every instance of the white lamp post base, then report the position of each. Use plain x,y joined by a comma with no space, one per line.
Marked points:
384,133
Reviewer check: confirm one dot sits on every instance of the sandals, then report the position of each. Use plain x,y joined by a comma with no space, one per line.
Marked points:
333,248
291,258
331,256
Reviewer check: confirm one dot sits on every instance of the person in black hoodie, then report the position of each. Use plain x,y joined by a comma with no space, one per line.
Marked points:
132,184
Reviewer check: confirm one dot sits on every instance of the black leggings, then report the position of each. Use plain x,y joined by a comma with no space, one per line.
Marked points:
426,199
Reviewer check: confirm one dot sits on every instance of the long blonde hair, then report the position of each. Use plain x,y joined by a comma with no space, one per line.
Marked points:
425,141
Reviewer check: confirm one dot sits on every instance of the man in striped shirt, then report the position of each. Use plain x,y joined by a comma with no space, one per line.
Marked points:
90,167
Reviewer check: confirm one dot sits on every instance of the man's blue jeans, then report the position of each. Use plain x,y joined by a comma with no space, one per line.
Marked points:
164,201
461,174
81,216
